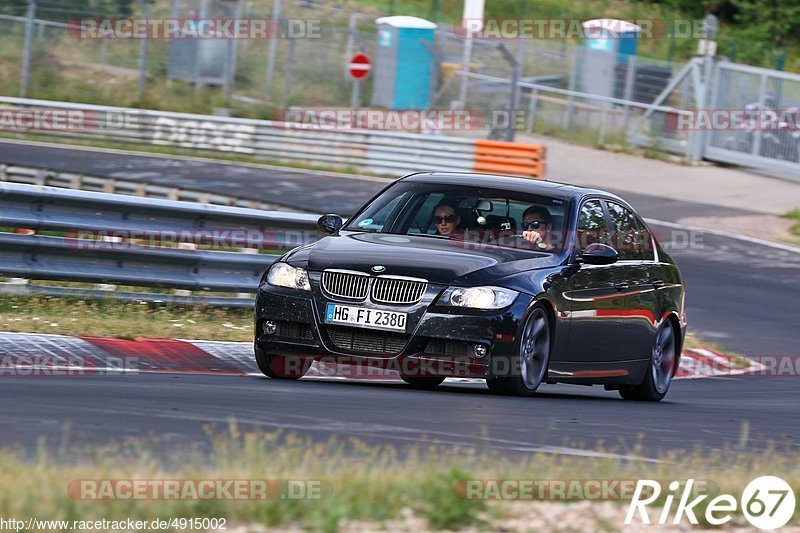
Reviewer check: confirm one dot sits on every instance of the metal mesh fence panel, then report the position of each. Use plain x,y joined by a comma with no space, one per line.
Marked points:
762,117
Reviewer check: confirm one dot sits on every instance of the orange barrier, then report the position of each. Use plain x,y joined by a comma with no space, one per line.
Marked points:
514,159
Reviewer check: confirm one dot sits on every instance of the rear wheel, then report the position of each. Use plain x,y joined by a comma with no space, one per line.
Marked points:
533,356
662,367
281,366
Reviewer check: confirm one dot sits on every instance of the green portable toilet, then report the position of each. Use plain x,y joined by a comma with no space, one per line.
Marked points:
403,72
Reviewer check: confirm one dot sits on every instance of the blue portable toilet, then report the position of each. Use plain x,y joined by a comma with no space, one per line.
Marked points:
403,72
619,37
608,45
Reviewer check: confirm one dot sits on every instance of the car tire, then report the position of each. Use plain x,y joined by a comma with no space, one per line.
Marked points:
529,366
281,366
423,383
660,371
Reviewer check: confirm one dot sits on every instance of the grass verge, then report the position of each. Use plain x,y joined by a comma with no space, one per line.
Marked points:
794,214
111,318
363,487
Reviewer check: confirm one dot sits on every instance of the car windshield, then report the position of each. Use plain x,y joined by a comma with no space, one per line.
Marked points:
483,216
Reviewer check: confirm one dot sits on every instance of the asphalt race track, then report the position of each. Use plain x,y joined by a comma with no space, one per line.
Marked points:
741,295
296,189
706,413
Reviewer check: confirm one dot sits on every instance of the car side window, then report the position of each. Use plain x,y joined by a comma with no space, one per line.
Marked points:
624,233
645,239
592,226
423,220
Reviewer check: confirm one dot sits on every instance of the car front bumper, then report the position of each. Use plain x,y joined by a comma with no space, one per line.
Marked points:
438,342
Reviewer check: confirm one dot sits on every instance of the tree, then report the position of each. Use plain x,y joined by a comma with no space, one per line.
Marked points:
772,21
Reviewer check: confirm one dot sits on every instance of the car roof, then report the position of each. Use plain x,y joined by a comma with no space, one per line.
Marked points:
510,183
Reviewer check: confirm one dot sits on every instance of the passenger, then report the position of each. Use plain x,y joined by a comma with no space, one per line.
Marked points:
537,225
446,220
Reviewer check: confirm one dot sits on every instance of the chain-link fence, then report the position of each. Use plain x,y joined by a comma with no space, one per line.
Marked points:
302,59
562,87
309,69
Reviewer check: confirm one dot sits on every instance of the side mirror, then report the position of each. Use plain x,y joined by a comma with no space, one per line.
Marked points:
330,224
598,254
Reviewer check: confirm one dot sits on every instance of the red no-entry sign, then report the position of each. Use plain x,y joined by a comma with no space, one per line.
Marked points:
359,66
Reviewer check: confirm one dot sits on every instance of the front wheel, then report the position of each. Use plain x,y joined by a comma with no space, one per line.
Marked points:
281,366
662,368
533,356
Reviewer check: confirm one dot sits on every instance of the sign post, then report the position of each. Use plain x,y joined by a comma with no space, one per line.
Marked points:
707,48
472,24
358,68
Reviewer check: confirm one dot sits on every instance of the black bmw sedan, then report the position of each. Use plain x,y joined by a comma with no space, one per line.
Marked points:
511,280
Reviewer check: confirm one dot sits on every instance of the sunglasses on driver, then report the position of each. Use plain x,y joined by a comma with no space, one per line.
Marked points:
534,224
450,219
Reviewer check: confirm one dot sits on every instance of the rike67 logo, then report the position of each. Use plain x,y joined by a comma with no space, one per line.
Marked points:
767,502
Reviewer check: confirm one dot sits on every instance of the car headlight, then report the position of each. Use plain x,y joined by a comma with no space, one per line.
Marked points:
285,275
478,297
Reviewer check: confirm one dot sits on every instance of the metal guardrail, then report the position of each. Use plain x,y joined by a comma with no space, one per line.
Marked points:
379,152
15,289
99,239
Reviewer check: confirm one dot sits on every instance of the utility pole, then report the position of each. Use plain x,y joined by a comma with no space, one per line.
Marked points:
472,24
513,97
273,46
26,51
142,55
233,49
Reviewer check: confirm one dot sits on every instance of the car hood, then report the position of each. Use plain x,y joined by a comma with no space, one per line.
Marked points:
436,259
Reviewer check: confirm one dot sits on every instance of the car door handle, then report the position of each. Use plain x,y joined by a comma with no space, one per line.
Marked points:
658,283
621,286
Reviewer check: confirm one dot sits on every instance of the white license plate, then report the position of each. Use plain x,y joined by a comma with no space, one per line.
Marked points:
368,318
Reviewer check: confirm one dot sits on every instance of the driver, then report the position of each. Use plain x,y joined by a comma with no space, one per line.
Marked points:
537,224
445,219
